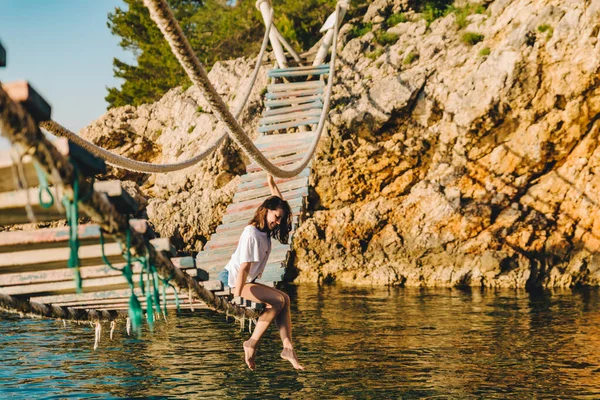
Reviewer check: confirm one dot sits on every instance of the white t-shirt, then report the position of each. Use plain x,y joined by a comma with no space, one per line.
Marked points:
254,246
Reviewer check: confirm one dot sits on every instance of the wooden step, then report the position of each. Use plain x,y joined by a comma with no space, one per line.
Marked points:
291,124
265,141
58,275
294,86
299,71
87,164
264,192
257,179
238,226
12,241
118,196
22,92
293,101
282,151
124,298
296,94
290,116
318,104
248,213
56,258
87,285
280,162
12,206
255,202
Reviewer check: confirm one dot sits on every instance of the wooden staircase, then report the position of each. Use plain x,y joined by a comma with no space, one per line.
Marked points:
296,105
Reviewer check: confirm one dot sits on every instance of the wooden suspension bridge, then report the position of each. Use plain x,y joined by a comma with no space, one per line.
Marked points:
35,276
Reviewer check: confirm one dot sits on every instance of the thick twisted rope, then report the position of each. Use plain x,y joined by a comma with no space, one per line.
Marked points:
163,17
139,166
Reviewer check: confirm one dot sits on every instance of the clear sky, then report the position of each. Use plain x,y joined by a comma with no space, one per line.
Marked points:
65,50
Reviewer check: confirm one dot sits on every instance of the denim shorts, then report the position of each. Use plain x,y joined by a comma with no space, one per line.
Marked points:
224,277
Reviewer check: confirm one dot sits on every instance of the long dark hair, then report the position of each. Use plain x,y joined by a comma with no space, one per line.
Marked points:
282,231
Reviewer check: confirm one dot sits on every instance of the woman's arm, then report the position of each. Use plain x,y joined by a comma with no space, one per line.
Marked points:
274,189
241,278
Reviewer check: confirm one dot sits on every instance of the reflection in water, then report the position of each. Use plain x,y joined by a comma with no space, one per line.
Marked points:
355,343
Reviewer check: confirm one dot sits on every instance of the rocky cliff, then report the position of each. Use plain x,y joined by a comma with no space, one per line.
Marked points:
462,149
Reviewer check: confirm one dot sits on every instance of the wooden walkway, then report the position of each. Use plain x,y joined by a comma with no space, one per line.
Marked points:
34,277
250,193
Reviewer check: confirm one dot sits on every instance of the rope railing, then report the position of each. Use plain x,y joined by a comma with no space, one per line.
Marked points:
152,168
162,15
20,129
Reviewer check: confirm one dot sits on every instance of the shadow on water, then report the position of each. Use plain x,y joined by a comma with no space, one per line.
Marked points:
355,343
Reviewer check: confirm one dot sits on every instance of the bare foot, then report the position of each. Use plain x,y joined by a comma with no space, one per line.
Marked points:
250,352
290,355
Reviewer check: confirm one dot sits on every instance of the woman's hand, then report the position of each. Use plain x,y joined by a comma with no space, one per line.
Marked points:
273,187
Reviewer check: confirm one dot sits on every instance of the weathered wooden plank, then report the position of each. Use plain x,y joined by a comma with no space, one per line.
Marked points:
293,108
301,71
11,241
117,195
164,245
297,94
87,285
291,116
290,196
45,259
184,262
8,169
253,167
284,102
255,179
12,206
2,56
115,300
22,92
294,86
281,151
87,163
213,286
237,226
57,275
247,214
263,191
264,140
286,125
302,68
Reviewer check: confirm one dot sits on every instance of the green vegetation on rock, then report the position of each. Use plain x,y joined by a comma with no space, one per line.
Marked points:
216,31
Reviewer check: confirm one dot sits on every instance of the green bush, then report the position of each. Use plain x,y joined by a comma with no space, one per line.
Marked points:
191,128
396,19
373,55
545,28
410,57
360,29
471,38
385,38
434,9
485,52
463,12
200,109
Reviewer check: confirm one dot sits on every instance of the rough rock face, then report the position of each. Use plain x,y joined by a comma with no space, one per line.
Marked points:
465,153
458,159
188,204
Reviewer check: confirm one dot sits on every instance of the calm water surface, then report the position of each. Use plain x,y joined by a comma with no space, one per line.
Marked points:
355,343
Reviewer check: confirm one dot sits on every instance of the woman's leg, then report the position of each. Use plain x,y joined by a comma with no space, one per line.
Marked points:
283,319
274,301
